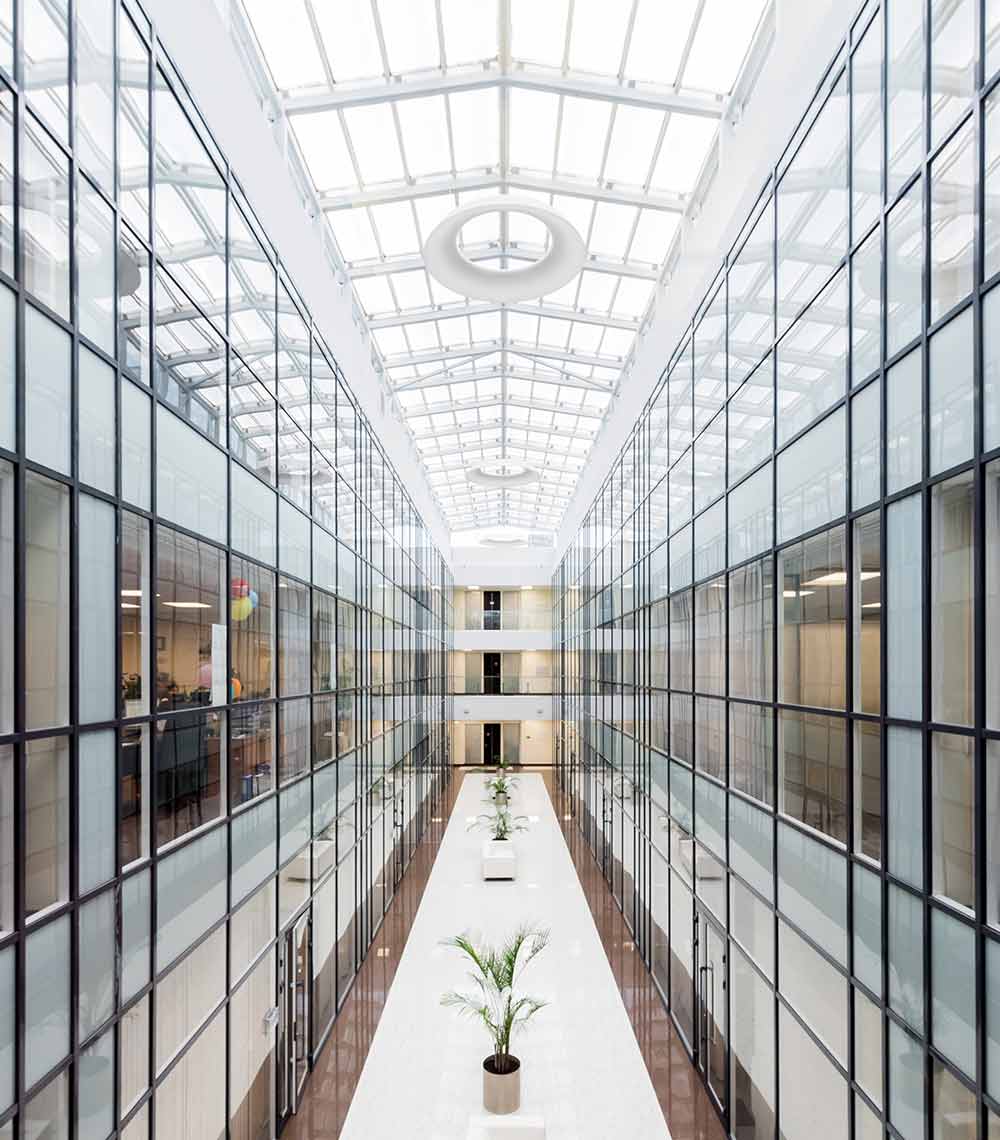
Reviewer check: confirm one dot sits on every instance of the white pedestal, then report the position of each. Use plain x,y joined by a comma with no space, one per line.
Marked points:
499,859
513,1127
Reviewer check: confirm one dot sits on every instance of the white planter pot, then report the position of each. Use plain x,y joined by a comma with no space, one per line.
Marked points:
499,859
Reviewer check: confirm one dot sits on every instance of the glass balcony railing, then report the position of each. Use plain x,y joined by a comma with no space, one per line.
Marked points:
504,620
508,685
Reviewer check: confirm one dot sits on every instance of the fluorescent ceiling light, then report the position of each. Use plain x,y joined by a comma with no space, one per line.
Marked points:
839,578
188,605
797,593
131,593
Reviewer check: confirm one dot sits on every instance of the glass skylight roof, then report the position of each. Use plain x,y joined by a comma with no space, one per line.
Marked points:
399,111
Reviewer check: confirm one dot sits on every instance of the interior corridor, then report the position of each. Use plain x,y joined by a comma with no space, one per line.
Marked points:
328,1094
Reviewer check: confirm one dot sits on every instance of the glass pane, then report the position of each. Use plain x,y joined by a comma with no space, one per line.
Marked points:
252,744
810,1088
46,859
953,214
811,482
866,134
867,632
96,622
251,609
6,597
905,805
952,572
133,127
906,1083
953,984
866,445
753,1053
190,894
904,422
96,412
95,104
48,410
906,956
905,89
135,934
96,960
133,1052
955,1108
904,263
45,225
95,1091
47,1113
953,65
904,622
95,808
45,62
950,420
136,447
812,628
953,801
190,758
95,252
190,621
868,789
46,999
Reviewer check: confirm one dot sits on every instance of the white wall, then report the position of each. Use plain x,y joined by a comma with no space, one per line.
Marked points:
198,41
470,707
492,640
496,567
806,38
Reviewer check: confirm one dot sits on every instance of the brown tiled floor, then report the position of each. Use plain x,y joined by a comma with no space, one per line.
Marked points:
327,1096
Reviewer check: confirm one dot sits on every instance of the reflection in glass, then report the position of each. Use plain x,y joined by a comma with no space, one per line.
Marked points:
95,266
251,607
252,745
48,603
814,771
44,216
952,572
190,625
953,804
46,856
953,217
951,393
48,403
190,753
95,101
867,622
904,422
868,789
133,127
905,89
812,642
904,268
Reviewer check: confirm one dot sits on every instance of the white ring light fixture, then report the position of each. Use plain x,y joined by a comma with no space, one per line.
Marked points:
483,478
561,262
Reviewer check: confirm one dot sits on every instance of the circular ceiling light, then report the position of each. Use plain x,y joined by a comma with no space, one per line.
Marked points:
452,268
481,477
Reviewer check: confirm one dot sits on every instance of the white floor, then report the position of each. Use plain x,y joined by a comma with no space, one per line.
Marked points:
581,1066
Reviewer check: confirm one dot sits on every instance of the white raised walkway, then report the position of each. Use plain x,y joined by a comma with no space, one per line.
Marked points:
581,1066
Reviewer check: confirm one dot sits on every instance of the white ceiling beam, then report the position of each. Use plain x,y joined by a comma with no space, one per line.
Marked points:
485,348
658,97
444,377
435,313
493,179
492,251
459,405
449,430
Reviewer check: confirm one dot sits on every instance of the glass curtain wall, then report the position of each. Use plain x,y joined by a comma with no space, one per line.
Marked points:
224,627
777,624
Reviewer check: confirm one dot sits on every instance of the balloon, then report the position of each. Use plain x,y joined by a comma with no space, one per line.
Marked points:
239,588
254,599
241,608
205,676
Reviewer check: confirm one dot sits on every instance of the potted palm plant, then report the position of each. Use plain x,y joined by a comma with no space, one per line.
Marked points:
499,855
499,789
495,974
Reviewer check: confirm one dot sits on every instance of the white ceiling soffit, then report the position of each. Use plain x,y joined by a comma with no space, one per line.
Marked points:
397,112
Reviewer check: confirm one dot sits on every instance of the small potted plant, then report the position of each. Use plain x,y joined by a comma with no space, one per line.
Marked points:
496,973
499,789
499,855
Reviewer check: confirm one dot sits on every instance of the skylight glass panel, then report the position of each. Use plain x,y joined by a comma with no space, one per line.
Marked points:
612,229
526,230
321,141
721,44
653,236
617,342
554,332
390,341
539,30
533,117
348,35
470,30
409,28
596,291
564,296
353,232
475,125
632,295
522,327
422,336
286,40
579,211
687,141
583,130
598,35
585,338
454,331
633,143
658,38
411,289
485,326
424,127
483,228
373,137
374,295
395,228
